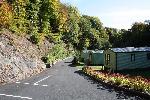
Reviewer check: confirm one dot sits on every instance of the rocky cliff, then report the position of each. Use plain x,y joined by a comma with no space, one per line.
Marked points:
19,58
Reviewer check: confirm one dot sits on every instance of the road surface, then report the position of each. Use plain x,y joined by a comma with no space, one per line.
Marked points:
61,82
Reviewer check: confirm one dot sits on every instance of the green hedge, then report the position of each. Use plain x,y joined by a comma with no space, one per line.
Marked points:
59,51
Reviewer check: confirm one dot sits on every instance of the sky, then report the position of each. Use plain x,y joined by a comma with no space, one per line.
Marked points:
119,14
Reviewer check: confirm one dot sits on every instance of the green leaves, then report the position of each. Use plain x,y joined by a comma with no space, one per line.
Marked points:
71,31
58,52
92,33
19,20
137,36
56,21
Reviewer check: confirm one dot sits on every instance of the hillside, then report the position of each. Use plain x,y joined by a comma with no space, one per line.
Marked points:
19,58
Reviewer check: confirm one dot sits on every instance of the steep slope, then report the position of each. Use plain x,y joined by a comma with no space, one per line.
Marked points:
19,58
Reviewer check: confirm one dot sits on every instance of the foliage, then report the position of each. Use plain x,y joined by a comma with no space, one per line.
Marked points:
44,16
140,34
37,38
137,83
32,10
58,52
56,22
63,17
137,36
62,22
5,15
115,36
54,8
93,35
71,33
19,22
84,37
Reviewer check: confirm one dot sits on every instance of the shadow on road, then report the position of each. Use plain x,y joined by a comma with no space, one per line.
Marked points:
75,65
72,65
68,62
120,94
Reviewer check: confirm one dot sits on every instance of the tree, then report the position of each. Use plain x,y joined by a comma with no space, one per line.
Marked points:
5,15
84,37
44,17
32,10
92,32
71,31
19,23
53,11
140,34
115,36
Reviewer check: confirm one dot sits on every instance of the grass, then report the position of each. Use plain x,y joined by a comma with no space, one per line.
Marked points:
93,67
80,65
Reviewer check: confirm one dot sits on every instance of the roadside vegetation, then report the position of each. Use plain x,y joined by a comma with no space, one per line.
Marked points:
136,83
57,52
93,67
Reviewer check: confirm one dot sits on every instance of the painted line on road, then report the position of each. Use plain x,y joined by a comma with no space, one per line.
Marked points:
28,98
35,84
44,85
18,82
31,84
42,80
26,83
40,85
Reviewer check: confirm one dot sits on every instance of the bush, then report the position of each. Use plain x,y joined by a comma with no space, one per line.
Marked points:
44,59
19,26
137,83
75,60
58,52
37,38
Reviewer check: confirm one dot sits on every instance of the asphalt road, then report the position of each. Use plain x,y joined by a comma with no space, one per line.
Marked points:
61,82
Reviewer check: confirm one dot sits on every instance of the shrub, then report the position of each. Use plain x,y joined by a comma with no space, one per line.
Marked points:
37,38
57,52
137,83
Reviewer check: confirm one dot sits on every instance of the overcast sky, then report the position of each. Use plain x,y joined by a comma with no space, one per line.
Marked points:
114,13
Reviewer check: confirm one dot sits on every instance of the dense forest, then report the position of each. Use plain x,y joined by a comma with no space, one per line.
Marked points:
63,23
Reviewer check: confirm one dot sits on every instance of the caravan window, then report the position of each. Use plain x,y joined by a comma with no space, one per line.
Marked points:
132,57
148,56
107,59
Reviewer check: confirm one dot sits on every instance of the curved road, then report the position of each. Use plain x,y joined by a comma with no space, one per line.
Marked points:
61,82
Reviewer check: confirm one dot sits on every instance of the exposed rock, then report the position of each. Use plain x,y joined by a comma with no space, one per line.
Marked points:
19,58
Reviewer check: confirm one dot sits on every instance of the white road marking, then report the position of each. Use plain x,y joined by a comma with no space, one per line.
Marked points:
28,98
18,82
45,85
26,83
42,80
35,84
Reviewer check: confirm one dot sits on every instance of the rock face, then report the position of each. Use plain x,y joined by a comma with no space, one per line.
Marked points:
19,58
